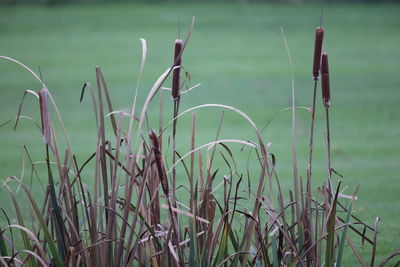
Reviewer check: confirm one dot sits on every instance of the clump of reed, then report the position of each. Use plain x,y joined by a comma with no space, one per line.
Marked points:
131,215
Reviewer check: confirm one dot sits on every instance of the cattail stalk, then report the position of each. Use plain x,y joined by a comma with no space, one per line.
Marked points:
328,144
326,99
319,36
164,184
176,97
44,115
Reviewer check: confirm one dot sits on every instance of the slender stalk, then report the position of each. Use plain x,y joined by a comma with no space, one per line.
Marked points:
192,147
309,238
160,118
174,126
319,37
172,198
326,98
309,167
176,98
294,143
328,146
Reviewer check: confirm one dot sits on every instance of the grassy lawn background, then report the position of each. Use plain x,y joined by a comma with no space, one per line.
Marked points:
237,53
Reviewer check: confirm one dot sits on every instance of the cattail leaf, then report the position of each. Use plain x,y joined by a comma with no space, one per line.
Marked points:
149,97
59,222
192,245
373,253
26,68
82,92
211,145
133,108
274,245
223,245
294,143
388,258
144,55
273,159
343,238
238,111
330,229
108,99
279,112
21,104
3,247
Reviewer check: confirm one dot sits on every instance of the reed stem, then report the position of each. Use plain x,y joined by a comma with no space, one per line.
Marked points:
328,145
309,167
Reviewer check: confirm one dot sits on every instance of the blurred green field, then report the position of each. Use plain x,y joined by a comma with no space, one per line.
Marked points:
238,55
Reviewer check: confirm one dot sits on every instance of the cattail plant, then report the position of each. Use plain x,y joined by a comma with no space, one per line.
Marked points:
164,183
319,37
176,98
177,69
44,115
326,95
327,101
159,162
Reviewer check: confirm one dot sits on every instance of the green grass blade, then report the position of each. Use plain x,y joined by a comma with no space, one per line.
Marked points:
192,248
330,241
343,238
223,246
274,244
59,224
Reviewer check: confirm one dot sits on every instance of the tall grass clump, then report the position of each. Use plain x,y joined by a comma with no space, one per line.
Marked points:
122,206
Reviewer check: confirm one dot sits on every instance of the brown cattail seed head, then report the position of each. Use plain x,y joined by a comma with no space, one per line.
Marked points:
176,72
44,115
326,92
319,37
159,162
